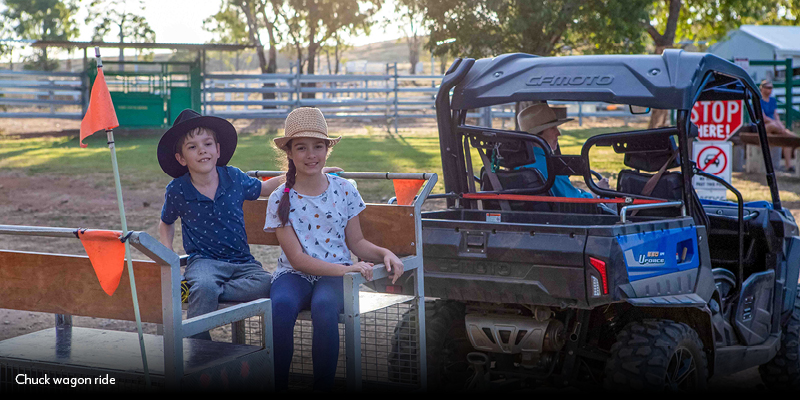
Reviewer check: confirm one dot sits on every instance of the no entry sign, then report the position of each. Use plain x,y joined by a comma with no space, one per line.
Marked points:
713,158
717,120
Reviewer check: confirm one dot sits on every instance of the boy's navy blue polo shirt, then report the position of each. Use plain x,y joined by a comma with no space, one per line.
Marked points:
212,229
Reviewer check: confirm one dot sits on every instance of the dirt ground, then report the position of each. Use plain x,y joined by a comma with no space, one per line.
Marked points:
90,202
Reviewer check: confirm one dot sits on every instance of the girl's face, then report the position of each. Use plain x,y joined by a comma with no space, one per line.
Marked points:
308,154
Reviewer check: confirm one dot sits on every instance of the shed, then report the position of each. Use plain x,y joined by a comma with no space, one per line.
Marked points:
761,42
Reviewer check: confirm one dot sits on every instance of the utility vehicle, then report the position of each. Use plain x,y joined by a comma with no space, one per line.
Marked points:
651,290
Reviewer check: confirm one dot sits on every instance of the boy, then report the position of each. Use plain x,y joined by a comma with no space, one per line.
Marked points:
207,195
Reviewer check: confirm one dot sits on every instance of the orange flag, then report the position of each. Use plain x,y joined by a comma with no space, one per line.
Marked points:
100,115
406,189
107,255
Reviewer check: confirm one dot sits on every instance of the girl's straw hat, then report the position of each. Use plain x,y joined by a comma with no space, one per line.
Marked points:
305,122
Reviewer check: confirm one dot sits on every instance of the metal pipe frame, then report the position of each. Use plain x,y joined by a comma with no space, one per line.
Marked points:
352,281
175,329
624,210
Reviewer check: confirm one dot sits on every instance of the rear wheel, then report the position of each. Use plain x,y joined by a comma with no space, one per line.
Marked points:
447,347
783,371
657,355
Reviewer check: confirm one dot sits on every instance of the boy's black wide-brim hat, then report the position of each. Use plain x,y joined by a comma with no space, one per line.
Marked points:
186,121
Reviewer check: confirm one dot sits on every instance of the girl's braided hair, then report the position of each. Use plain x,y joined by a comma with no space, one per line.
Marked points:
284,206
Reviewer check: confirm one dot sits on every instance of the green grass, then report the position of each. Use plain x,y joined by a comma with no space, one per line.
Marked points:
376,151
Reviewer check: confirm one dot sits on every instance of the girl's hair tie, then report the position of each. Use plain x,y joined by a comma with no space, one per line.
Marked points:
286,190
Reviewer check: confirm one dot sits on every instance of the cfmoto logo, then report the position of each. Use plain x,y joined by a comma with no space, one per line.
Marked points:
580,80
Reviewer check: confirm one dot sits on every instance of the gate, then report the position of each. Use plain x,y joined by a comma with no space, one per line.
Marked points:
151,93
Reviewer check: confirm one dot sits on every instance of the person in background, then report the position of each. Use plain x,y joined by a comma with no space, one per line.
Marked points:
773,124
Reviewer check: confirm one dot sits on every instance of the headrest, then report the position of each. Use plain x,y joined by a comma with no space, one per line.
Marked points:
652,161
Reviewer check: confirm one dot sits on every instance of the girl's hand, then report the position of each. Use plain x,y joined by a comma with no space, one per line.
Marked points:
331,170
363,268
393,265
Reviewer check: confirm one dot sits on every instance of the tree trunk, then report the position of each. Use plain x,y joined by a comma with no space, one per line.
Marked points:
663,41
413,53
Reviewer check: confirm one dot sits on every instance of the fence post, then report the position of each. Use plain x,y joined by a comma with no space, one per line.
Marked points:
297,87
396,88
580,113
789,99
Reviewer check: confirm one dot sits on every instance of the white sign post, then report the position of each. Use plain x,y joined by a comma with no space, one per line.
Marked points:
716,121
713,158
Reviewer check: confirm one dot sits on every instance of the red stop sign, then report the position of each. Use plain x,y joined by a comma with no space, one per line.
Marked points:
717,120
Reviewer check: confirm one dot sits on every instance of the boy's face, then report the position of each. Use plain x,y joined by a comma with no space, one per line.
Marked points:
199,153
308,154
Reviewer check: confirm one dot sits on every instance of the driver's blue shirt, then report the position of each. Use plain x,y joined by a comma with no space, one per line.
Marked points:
562,187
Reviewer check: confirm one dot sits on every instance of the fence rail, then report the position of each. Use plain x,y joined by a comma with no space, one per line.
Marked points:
391,97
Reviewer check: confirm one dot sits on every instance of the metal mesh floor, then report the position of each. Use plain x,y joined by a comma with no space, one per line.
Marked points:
388,348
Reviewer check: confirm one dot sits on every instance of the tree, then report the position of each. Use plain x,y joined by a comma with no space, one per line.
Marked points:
483,28
41,20
258,14
310,23
707,22
112,16
228,27
411,18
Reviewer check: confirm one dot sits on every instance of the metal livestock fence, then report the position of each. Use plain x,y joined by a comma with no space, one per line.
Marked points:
42,94
388,98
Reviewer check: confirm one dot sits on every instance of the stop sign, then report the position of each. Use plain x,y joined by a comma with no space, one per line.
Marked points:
717,120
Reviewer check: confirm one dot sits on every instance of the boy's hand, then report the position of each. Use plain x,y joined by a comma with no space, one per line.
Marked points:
393,265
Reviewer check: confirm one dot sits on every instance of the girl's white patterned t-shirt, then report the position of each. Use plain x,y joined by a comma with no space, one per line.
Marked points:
318,221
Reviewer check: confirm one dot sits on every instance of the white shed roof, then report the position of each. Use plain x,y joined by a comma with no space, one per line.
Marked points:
782,38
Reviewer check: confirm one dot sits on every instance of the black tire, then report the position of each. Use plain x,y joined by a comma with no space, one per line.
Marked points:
657,355
783,371
447,347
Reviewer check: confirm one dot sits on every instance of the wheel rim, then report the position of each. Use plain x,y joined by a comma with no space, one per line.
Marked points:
682,370
455,367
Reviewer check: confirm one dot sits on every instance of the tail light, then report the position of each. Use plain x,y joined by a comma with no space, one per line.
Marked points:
597,286
394,289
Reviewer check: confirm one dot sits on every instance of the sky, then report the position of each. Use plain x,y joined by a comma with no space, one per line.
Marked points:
181,21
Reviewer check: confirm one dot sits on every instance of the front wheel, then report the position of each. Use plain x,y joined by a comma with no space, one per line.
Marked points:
657,355
783,371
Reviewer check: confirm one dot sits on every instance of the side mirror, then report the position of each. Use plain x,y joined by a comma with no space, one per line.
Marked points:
639,109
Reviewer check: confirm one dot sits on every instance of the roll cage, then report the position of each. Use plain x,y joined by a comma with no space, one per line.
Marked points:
674,80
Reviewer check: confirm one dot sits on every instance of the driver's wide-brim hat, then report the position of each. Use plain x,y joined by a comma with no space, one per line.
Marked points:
305,122
540,116
187,120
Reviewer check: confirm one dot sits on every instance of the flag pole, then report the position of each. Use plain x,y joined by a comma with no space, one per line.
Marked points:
118,185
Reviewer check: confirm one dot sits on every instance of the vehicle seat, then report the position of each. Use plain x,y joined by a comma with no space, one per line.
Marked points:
519,179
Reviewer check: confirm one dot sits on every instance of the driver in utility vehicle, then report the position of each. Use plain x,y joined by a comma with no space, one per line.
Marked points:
542,120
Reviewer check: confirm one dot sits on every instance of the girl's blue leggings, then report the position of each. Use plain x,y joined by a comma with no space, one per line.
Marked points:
290,294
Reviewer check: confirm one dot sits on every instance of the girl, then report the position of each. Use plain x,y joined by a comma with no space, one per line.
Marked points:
315,217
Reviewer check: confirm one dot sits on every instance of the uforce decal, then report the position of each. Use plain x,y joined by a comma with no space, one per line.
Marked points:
649,258
653,257
580,80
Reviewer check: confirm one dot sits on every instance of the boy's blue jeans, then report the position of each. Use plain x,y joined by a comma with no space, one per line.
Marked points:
291,294
213,281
